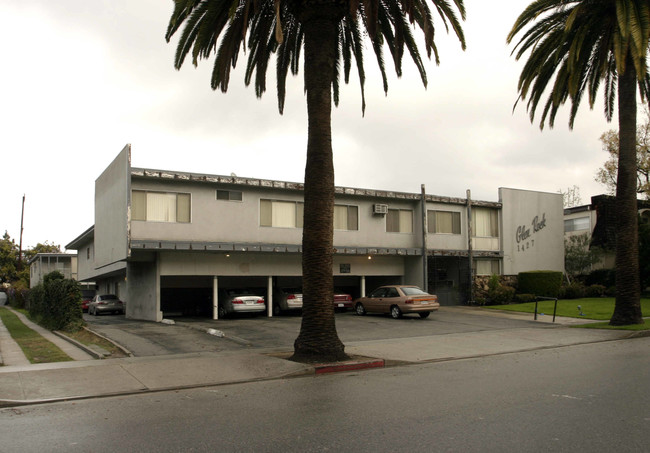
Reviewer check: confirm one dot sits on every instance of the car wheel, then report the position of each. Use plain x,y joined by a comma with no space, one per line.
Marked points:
395,312
360,310
276,310
425,314
222,312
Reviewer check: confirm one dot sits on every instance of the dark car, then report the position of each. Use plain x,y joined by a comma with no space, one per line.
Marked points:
397,300
105,303
342,301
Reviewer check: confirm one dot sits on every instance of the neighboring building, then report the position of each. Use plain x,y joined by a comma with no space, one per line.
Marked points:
167,241
43,263
598,221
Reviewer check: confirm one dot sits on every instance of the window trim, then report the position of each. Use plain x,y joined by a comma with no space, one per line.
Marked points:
432,224
494,228
355,216
399,220
229,195
299,213
146,192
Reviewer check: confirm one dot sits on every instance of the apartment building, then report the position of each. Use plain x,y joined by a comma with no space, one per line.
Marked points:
167,241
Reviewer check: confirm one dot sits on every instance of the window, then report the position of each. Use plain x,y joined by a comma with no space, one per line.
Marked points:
443,222
346,217
485,222
579,224
161,206
399,221
281,214
487,267
229,195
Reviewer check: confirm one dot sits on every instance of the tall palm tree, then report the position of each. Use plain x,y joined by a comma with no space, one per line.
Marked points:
586,43
332,33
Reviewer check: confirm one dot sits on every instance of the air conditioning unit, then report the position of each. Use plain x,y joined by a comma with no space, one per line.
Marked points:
380,209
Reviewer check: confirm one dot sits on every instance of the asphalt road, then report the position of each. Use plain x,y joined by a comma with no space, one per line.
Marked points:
587,398
150,339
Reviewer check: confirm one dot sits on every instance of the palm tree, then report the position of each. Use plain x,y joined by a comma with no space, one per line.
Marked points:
332,33
586,43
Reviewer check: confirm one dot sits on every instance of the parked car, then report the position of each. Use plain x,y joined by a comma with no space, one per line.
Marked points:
105,303
342,301
86,297
286,299
240,301
397,300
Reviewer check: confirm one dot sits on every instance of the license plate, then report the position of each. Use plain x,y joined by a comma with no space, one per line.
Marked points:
249,302
424,302
341,305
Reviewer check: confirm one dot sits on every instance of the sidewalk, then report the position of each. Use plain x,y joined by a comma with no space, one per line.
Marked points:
31,384
11,354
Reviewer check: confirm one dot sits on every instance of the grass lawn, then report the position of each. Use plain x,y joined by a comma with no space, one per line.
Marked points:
88,338
36,348
599,308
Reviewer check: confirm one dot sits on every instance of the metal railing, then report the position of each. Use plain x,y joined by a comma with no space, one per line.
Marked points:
546,298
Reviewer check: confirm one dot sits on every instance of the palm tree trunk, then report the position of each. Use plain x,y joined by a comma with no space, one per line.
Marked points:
628,290
318,339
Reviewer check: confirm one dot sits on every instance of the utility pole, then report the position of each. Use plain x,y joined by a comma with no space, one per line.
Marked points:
470,251
425,256
20,246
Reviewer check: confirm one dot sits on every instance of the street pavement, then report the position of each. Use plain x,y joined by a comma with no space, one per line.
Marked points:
243,353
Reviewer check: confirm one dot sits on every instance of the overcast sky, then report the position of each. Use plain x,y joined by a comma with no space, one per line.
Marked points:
80,79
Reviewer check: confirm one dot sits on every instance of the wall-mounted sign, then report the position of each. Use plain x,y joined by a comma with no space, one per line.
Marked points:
525,234
344,268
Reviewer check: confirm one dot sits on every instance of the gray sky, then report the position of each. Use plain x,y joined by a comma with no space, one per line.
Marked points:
83,78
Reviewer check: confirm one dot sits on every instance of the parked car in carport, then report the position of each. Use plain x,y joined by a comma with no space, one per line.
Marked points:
240,301
397,300
342,301
286,299
105,303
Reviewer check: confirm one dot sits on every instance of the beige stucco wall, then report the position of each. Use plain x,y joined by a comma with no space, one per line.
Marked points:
533,231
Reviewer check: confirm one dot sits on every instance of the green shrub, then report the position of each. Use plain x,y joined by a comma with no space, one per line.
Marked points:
56,303
595,291
573,291
604,277
523,298
540,283
502,295
18,295
610,291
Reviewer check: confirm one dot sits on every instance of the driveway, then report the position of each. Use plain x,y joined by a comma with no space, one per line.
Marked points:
145,338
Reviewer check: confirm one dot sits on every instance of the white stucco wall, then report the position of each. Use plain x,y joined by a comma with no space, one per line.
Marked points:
533,231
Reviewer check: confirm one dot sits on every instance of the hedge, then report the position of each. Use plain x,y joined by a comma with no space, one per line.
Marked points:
540,283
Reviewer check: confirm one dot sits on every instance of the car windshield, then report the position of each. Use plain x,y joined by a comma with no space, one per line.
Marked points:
413,291
109,297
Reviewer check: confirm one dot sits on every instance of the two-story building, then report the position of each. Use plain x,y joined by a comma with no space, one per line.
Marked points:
42,264
597,220
167,241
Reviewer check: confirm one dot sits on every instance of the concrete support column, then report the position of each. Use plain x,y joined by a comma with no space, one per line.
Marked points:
269,297
363,286
215,297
